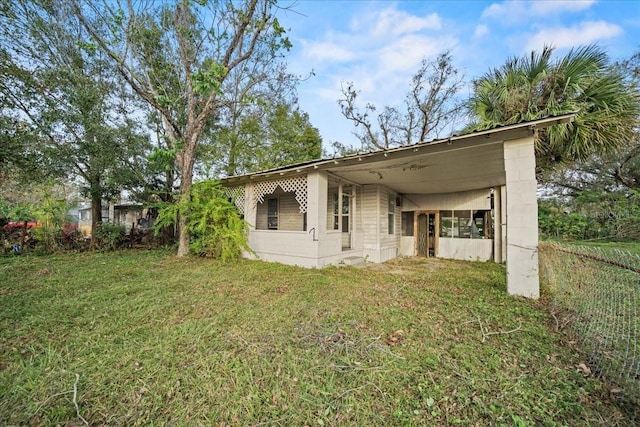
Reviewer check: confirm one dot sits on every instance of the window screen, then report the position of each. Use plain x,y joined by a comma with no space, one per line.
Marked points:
391,213
466,224
407,223
272,214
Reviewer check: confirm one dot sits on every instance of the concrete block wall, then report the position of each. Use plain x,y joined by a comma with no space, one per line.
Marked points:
521,218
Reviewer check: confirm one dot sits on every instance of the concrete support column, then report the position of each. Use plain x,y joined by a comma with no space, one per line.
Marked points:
497,226
521,218
317,193
250,217
503,223
250,206
340,193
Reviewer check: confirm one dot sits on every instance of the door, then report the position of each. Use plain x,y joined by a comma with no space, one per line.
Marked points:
427,236
432,235
342,214
346,221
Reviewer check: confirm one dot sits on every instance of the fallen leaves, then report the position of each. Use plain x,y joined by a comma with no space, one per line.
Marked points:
395,338
583,369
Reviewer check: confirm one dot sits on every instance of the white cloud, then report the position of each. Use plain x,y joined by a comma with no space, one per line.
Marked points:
329,93
379,53
580,34
378,45
395,23
379,50
323,51
508,12
545,7
512,12
480,31
406,53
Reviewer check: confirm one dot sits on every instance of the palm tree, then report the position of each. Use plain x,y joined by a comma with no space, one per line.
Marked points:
537,86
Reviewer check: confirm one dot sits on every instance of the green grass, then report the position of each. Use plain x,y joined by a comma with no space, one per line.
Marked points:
159,340
630,246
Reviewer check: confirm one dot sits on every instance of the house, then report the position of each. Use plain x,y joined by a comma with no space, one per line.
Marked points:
469,197
130,214
85,215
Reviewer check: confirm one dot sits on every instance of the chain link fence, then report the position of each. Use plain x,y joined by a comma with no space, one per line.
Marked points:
596,292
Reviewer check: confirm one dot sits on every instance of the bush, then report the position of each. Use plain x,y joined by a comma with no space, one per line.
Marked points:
591,216
216,228
557,224
109,236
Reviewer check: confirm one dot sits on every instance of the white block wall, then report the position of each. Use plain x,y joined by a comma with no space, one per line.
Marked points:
521,218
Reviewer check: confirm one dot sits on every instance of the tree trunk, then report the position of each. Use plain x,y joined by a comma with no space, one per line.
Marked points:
183,234
233,146
231,165
186,169
168,234
96,217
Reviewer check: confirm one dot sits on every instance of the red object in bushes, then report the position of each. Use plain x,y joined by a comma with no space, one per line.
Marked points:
12,225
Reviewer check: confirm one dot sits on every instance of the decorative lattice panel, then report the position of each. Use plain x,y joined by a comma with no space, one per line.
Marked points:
297,185
237,196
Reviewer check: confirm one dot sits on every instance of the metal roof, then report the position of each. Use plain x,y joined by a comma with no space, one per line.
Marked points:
424,166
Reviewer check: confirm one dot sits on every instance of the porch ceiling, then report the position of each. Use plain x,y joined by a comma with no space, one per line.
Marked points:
458,163
428,171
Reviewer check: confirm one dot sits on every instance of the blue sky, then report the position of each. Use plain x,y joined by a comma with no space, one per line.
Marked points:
378,45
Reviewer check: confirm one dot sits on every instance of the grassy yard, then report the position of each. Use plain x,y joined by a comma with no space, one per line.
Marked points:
632,247
145,338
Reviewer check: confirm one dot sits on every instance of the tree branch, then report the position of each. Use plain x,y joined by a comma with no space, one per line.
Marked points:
123,69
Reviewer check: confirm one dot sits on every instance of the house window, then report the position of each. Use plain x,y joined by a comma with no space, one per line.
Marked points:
345,213
280,211
482,226
466,224
391,214
272,214
463,221
446,224
407,223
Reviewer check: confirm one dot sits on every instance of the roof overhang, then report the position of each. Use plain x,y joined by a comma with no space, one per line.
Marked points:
458,163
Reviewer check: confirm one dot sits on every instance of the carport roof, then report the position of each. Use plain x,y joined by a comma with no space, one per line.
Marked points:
458,163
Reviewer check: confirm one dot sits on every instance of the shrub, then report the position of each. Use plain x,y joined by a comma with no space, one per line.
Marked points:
216,228
109,236
557,224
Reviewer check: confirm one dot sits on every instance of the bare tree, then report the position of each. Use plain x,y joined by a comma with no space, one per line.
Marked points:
428,108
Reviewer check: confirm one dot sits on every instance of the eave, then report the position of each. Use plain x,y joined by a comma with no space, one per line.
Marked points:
481,149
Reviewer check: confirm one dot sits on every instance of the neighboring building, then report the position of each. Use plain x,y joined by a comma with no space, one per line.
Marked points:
470,197
84,217
129,214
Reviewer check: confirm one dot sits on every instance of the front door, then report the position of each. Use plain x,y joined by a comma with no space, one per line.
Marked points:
427,224
346,222
342,214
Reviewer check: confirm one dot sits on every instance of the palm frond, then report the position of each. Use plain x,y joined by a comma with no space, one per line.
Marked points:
536,86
